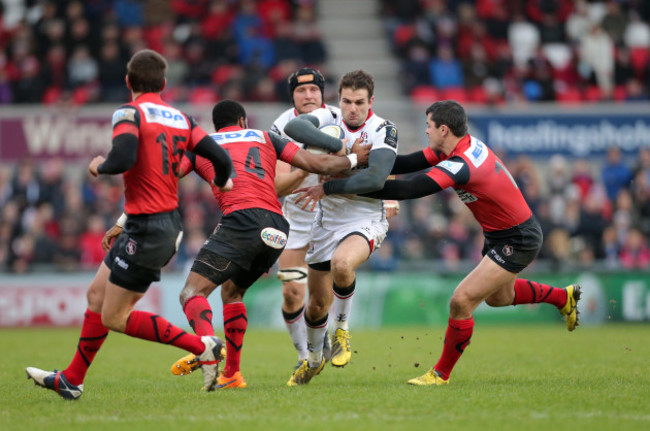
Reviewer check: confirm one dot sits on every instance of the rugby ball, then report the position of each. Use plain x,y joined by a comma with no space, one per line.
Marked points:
331,129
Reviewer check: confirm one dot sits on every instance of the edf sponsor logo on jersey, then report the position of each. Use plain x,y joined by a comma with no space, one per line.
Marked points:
238,136
476,153
165,115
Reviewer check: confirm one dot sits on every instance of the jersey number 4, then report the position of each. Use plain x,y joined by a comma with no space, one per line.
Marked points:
175,166
253,163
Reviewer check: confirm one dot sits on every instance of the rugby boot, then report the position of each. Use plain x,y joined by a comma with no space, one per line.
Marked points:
431,378
304,373
55,381
570,309
235,381
341,353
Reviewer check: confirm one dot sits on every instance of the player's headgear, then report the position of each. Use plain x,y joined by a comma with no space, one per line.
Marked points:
306,75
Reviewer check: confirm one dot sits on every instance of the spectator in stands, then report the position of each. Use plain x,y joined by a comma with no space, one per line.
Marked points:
614,22
635,253
616,174
597,59
445,70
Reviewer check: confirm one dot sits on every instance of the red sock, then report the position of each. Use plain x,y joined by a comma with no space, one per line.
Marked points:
199,314
149,326
235,322
457,339
532,292
93,334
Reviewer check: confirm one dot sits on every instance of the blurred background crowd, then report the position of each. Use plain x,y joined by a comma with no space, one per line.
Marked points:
493,51
594,215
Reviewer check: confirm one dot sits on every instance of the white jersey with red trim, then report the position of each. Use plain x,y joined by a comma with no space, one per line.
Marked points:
344,209
300,220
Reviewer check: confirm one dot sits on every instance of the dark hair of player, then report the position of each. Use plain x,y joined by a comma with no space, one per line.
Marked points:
451,114
146,71
227,113
356,80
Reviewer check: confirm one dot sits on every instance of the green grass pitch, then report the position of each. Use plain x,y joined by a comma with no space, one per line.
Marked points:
523,377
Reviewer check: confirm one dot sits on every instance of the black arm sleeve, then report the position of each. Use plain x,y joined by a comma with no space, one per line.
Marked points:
415,187
373,178
278,142
122,156
304,129
410,163
220,159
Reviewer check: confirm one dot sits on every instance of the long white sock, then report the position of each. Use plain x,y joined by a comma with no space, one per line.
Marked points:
297,331
343,305
315,335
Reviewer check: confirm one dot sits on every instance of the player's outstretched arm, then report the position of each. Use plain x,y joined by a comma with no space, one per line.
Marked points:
413,188
327,164
304,128
407,163
380,163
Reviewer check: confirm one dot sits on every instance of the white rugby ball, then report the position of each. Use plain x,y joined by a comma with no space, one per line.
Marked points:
331,129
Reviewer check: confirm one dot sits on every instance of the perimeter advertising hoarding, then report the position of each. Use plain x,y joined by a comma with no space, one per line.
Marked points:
575,135
539,132
380,300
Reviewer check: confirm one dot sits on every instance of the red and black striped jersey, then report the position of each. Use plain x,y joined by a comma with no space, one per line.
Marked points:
482,182
254,154
164,133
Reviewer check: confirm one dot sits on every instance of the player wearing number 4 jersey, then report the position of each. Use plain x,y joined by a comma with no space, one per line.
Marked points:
513,236
252,232
149,139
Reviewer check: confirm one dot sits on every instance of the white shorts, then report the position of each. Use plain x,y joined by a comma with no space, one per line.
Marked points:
324,241
300,222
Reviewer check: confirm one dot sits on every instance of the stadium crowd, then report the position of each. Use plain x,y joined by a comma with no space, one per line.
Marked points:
487,51
495,51
59,50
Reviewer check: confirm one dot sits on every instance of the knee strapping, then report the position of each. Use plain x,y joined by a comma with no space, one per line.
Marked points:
296,274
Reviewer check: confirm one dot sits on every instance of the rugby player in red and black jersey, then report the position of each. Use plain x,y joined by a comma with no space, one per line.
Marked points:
513,236
253,230
149,139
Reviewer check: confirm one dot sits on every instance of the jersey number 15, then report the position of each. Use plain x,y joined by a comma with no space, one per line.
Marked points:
175,166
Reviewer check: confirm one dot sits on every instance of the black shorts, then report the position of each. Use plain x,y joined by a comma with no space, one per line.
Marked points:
146,244
242,247
515,248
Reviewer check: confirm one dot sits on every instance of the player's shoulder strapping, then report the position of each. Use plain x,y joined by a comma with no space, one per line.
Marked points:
126,113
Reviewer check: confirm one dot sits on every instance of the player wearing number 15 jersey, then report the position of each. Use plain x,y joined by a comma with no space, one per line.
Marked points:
513,236
252,232
149,138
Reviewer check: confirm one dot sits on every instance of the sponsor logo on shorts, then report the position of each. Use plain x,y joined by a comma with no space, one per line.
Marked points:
122,264
274,238
497,256
131,246
507,250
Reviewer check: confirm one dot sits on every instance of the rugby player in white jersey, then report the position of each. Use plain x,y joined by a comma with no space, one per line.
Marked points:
347,227
306,88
